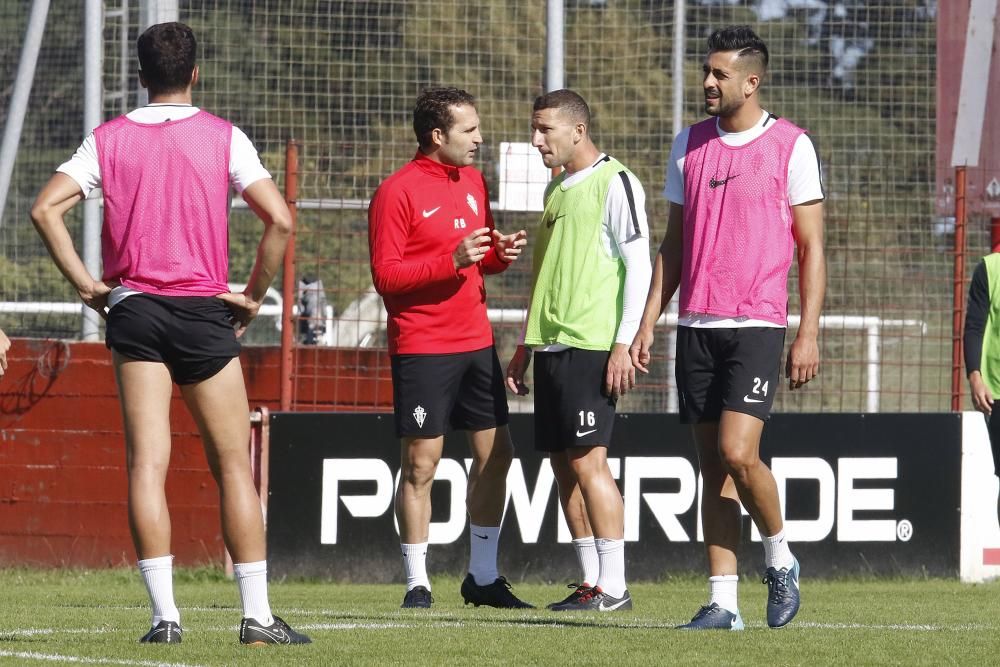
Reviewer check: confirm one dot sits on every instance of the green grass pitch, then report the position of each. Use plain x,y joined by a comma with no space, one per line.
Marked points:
96,617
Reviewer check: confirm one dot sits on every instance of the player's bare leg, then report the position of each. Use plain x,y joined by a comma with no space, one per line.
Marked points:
721,524
720,505
606,513
739,451
144,389
492,453
419,459
575,511
220,409
601,496
570,496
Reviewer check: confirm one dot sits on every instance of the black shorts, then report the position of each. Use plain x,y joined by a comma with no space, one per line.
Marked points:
727,369
571,408
192,335
432,391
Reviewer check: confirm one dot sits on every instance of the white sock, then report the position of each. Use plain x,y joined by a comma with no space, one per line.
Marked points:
776,552
483,553
415,564
590,564
611,554
158,575
252,580
722,589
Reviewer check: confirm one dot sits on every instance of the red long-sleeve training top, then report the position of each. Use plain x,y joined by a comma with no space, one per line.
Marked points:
416,219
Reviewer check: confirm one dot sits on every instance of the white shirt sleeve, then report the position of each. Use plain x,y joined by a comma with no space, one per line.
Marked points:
628,229
245,167
624,216
673,189
84,167
805,181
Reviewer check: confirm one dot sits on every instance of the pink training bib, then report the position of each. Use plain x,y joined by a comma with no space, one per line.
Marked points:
166,204
738,242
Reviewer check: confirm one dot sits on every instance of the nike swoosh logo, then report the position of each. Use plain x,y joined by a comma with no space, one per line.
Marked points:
555,220
747,399
580,435
610,607
713,183
431,212
482,537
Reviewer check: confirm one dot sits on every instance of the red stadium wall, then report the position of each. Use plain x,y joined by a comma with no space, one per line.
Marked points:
62,455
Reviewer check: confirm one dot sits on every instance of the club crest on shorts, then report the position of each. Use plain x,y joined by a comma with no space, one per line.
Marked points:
472,203
420,415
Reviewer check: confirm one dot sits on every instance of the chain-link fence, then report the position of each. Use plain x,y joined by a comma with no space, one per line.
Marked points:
341,78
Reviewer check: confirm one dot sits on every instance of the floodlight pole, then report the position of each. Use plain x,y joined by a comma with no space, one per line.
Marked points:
677,74
93,102
677,67
152,12
19,97
554,48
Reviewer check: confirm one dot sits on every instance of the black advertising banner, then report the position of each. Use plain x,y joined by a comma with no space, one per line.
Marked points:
869,494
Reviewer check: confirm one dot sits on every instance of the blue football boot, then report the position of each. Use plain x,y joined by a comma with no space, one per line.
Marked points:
714,617
782,594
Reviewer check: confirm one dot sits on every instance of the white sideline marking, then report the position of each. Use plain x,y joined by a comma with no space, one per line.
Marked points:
354,626
917,627
55,657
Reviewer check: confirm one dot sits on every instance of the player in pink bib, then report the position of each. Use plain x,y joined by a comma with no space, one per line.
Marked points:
166,170
744,190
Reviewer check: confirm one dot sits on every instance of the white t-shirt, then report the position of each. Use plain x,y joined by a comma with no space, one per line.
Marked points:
804,185
621,239
244,163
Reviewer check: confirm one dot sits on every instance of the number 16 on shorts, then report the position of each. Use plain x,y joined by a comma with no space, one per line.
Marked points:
587,421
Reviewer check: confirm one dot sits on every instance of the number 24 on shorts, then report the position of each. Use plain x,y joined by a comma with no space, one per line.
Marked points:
758,389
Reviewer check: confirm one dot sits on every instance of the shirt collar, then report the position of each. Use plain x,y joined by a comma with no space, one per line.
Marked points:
435,168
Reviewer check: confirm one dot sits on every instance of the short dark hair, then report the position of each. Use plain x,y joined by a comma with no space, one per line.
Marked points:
433,111
567,101
167,54
740,38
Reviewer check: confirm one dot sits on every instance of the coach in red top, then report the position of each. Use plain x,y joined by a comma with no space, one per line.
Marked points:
431,238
